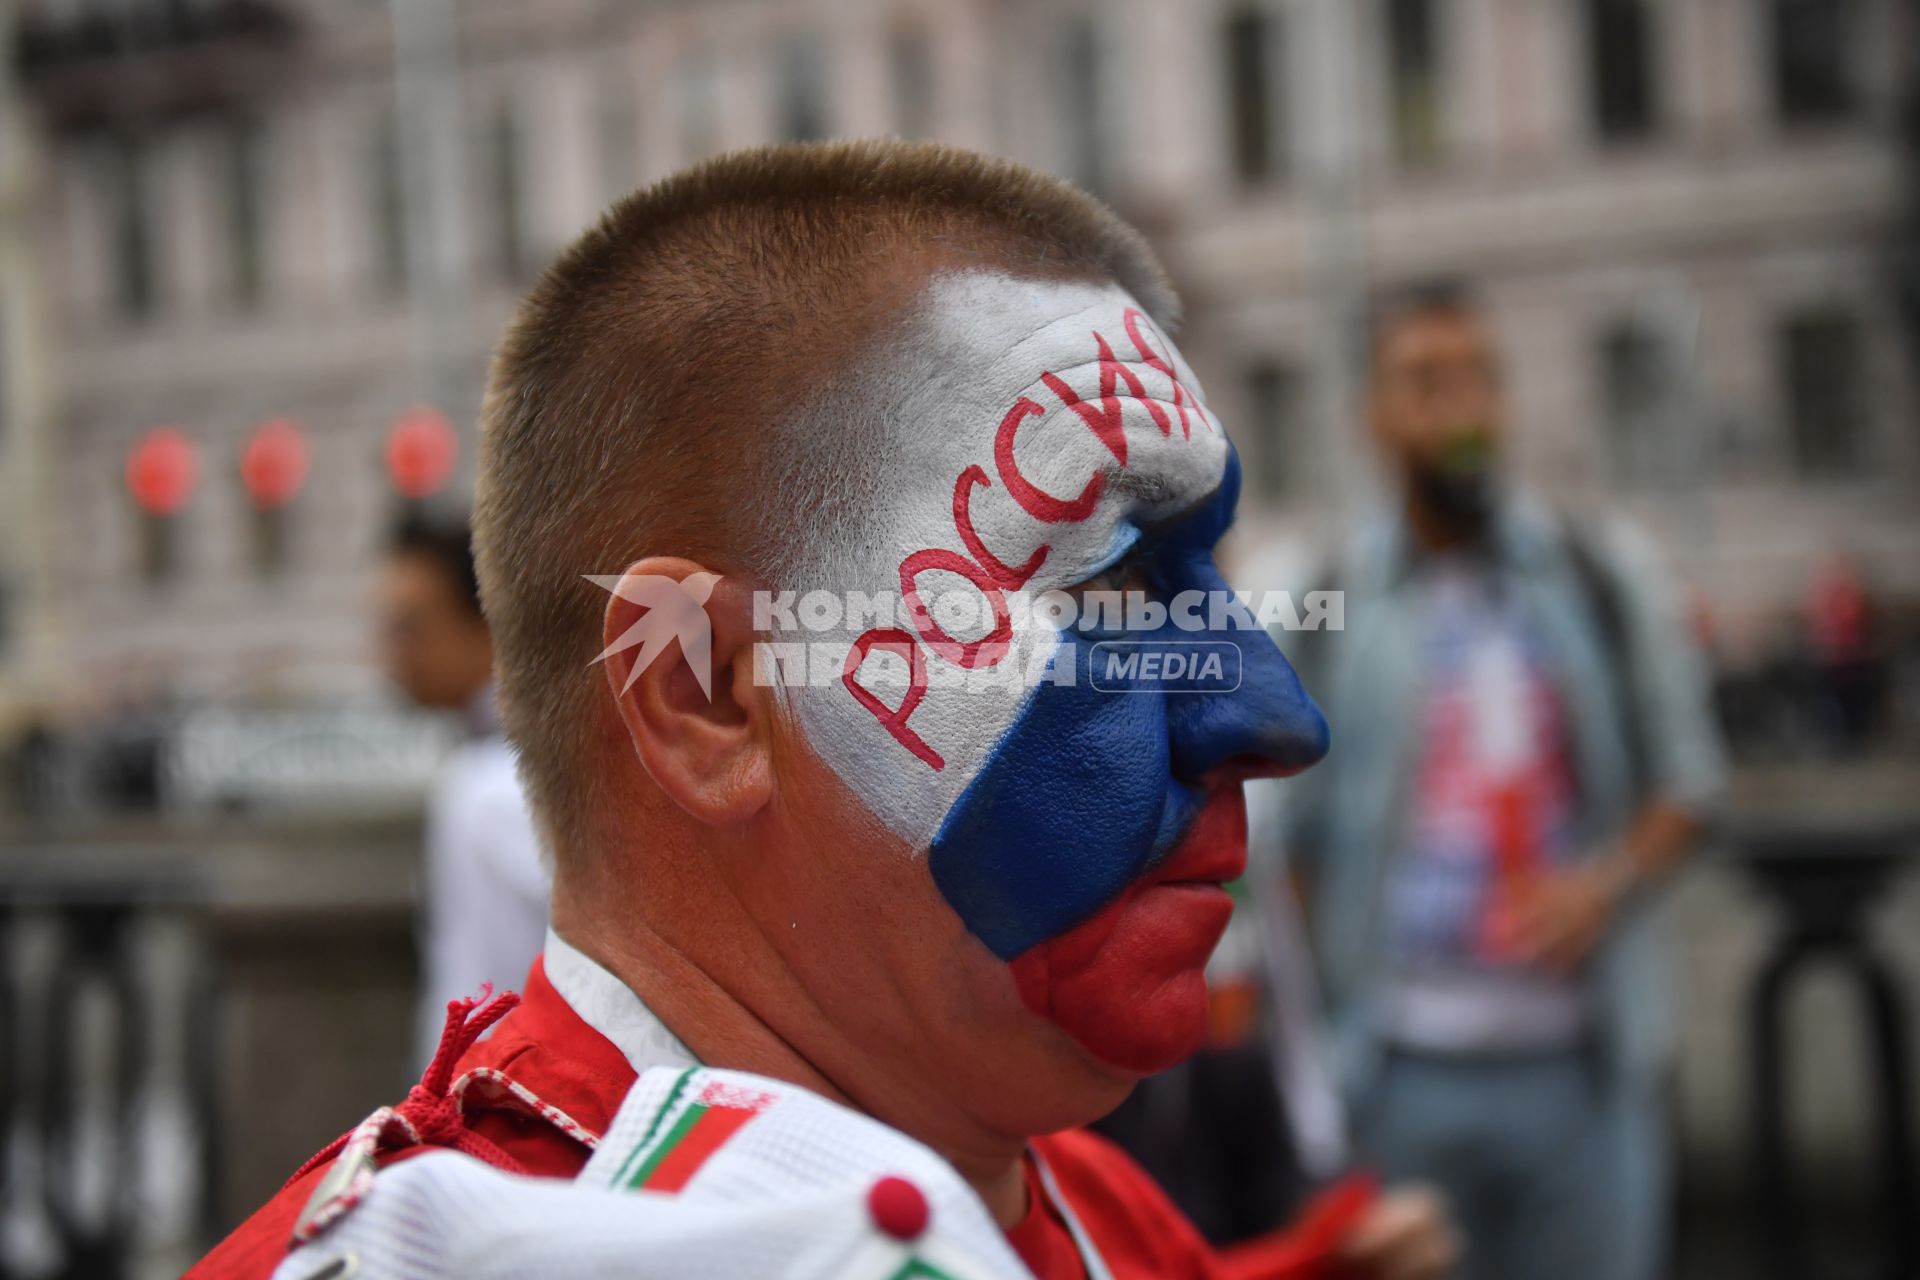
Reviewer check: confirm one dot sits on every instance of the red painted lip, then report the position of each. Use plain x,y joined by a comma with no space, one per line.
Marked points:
1129,982
1213,849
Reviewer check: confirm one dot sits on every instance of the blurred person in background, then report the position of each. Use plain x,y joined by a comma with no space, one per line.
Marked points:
1850,670
484,891
1524,754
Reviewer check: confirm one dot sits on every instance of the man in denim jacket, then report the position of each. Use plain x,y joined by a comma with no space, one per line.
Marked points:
1522,755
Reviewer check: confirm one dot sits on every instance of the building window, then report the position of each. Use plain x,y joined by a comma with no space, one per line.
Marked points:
1621,69
910,67
1255,114
1272,392
1825,395
505,190
1639,386
1413,67
246,201
389,207
1083,102
1814,59
131,227
802,88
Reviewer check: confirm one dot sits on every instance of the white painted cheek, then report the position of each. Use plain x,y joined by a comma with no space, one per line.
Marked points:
965,712
958,713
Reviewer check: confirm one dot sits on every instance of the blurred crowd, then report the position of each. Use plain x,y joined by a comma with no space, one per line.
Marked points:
1833,680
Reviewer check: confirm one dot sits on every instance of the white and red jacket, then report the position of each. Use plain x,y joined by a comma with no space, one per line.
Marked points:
541,1093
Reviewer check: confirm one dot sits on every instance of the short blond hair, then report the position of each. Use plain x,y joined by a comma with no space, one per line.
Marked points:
636,405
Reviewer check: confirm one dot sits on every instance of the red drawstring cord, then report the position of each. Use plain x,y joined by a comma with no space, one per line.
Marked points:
430,1106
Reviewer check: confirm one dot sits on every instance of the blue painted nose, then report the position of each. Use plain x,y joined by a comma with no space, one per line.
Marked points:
1269,725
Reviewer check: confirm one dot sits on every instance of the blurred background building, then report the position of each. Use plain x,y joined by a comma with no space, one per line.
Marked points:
1682,215
253,254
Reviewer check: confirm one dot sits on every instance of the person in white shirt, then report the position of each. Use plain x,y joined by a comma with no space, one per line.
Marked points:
484,890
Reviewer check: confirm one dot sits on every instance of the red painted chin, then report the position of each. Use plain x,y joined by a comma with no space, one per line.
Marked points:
1129,983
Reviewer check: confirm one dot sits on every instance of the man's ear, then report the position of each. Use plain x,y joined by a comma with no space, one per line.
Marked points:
678,649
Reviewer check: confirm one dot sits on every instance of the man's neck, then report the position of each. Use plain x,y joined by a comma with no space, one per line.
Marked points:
722,1031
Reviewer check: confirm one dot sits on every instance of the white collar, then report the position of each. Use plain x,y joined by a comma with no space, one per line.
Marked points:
610,1007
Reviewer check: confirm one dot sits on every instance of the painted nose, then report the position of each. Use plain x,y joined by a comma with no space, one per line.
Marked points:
1266,727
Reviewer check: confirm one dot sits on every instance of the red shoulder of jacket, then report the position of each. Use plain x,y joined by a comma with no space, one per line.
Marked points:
542,1088
1137,1229
544,1081
1140,1232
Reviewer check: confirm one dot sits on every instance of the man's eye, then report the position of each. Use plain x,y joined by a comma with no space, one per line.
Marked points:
1124,575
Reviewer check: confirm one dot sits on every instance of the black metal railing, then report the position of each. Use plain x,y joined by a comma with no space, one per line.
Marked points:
1824,883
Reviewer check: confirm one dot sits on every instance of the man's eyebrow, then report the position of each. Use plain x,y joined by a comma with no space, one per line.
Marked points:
1151,490
1161,492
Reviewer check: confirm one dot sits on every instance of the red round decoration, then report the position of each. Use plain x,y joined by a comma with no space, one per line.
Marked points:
161,471
898,1207
421,450
274,464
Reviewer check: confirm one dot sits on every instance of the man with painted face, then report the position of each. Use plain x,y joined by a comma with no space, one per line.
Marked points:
923,859
1526,753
